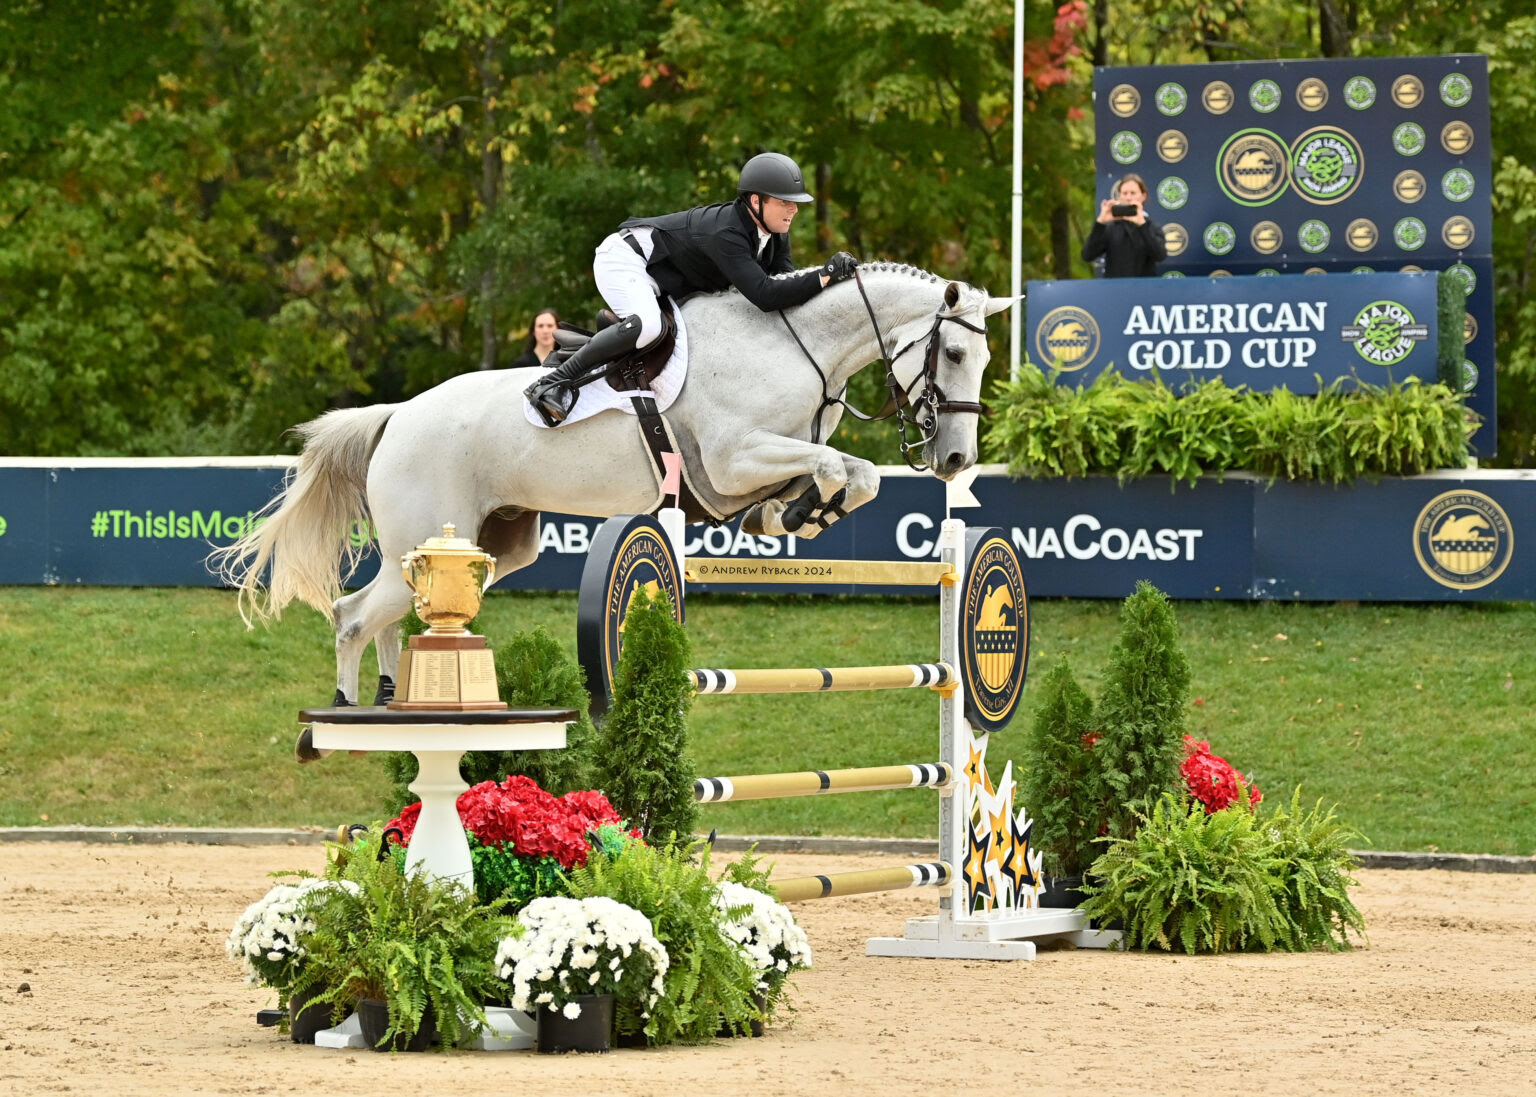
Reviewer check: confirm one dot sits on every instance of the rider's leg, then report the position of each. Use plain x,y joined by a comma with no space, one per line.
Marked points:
631,292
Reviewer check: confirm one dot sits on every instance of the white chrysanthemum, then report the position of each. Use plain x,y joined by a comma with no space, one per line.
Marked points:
576,943
763,930
272,928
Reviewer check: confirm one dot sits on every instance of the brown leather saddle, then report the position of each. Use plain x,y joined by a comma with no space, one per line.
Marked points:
639,368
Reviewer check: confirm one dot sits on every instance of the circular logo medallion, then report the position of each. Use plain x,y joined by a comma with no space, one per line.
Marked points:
1326,165
1362,269
1360,92
1266,237
1125,147
1218,238
1384,333
1456,137
1458,233
1175,239
1217,97
1172,146
1409,234
1468,376
1067,338
1312,94
1313,236
1221,274
1456,90
1171,99
1410,268
1251,167
994,629
629,553
1465,275
1456,184
1314,270
1172,193
1409,186
1408,139
1124,100
1361,234
1172,274
1264,96
1408,91
1266,272
1468,327
1462,540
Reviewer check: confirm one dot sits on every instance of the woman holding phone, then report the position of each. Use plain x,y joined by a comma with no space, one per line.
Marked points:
1130,242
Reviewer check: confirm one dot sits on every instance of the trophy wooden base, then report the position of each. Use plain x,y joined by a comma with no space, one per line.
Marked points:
450,673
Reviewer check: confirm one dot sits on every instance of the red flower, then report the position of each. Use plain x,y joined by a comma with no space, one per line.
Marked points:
519,814
1211,779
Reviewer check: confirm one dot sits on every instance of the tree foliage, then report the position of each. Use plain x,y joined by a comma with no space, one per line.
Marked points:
222,217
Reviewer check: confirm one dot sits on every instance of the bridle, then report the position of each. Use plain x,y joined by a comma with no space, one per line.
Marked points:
930,403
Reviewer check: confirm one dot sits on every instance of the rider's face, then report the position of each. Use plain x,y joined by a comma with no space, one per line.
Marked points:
777,214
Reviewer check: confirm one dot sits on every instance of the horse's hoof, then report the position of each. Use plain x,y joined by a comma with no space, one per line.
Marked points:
386,691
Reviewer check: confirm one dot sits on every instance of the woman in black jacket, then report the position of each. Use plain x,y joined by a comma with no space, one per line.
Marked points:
540,343
1130,241
706,249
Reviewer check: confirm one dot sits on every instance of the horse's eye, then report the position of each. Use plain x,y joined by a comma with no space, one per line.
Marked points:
954,354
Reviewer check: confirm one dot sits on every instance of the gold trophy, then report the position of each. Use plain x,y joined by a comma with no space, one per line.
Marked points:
447,667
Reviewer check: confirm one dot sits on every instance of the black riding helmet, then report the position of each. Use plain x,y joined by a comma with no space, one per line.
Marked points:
773,174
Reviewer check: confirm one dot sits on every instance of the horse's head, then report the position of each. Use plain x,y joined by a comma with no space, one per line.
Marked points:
941,377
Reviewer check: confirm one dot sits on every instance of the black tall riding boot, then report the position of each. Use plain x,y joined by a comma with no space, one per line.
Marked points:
555,392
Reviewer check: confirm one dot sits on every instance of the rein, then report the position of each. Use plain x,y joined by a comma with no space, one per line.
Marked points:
899,403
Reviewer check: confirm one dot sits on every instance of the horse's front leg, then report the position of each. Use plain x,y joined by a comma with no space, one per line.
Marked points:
761,459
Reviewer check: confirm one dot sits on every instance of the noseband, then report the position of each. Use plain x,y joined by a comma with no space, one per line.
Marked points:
923,412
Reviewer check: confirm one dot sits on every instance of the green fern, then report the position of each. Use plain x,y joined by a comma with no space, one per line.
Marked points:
708,983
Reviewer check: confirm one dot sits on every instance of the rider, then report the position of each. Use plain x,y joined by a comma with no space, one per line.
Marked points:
702,250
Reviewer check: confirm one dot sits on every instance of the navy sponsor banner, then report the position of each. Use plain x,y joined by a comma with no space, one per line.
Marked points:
1443,537
1314,166
1288,331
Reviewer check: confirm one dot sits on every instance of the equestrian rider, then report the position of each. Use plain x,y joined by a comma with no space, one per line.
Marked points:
702,250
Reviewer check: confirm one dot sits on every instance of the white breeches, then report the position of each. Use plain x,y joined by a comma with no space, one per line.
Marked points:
626,287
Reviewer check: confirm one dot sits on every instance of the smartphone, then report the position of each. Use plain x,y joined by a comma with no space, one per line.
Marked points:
1123,209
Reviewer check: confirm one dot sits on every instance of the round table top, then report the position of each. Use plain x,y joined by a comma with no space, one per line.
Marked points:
378,714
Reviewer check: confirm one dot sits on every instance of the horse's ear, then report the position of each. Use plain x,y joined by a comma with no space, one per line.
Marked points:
996,305
952,295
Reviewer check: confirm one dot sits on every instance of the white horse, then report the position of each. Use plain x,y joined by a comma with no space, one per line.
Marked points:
750,421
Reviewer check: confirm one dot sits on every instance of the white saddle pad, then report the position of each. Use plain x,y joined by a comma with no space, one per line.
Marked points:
599,396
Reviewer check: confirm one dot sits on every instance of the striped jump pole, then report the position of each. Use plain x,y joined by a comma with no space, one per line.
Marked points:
871,573
773,786
940,676
932,874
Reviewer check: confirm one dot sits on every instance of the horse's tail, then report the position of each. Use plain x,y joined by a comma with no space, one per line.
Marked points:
306,533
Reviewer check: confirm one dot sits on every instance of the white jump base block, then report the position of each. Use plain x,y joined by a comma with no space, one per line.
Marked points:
510,1030
1008,936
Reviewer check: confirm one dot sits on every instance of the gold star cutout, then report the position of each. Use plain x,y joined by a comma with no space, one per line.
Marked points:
977,856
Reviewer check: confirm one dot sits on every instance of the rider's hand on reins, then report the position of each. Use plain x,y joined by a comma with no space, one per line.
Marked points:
839,268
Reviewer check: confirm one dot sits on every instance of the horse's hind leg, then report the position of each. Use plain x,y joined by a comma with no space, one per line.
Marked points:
361,616
386,647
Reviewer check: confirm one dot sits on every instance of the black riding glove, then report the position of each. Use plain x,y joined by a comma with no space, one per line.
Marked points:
839,268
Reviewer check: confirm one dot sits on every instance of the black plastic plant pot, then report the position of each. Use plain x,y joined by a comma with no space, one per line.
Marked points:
373,1017
304,1019
1062,892
589,1031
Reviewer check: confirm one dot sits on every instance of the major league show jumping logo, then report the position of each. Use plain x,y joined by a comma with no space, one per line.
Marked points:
1384,332
994,629
629,553
1326,165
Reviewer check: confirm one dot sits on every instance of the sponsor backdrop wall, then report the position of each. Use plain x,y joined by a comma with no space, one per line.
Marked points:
1451,536
1290,331
1324,167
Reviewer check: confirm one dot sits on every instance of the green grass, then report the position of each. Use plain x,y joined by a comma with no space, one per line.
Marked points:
156,706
